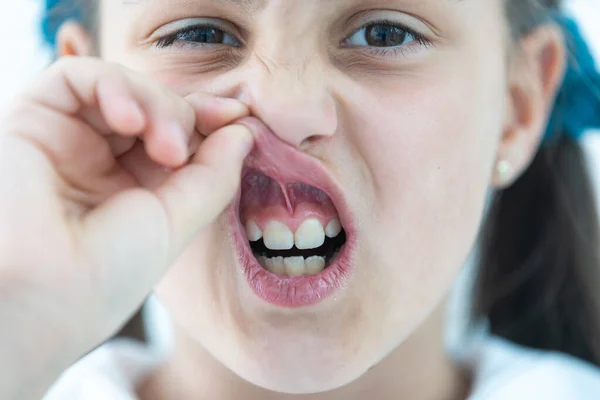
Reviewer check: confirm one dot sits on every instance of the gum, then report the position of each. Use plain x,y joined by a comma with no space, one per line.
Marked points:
263,200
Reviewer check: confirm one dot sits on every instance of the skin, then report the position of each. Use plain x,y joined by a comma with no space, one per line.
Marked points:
417,133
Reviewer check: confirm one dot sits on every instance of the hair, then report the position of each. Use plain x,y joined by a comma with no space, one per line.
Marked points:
58,12
538,261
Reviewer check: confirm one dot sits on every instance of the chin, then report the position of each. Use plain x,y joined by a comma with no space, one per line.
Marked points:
299,364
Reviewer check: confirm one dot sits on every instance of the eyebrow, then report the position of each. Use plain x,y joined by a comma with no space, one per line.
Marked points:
250,6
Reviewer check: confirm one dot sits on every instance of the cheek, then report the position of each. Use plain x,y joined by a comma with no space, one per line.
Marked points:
427,147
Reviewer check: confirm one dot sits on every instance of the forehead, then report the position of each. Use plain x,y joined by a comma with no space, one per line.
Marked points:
455,14
253,6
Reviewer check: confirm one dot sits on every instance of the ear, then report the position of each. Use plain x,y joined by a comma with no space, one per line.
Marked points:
535,75
73,40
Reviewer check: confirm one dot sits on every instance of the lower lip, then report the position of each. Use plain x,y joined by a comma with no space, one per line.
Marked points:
291,292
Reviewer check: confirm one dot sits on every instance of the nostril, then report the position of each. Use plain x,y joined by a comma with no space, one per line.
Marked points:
310,141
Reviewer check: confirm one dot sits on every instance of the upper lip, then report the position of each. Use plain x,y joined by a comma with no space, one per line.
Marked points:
287,165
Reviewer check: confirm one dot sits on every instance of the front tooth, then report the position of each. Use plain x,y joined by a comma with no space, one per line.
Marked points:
277,236
253,231
294,266
310,235
314,265
275,265
334,227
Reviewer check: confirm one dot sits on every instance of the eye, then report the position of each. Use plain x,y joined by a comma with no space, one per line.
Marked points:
199,35
382,34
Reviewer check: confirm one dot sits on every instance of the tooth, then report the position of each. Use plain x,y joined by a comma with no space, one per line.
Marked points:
310,235
334,227
262,260
253,231
314,265
277,236
275,265
294,266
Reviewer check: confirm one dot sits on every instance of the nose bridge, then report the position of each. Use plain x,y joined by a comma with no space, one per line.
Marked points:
292,97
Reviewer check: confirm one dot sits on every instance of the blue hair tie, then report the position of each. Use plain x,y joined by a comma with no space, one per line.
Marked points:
577,107
53,18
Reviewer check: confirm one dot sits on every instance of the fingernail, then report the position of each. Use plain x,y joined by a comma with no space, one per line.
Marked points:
233,105
246,141
226,101
136,114
179,133
180,136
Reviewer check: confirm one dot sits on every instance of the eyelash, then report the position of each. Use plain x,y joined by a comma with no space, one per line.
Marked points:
391,51
173,39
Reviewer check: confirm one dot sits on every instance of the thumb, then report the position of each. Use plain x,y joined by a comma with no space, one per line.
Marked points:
196,194
137,235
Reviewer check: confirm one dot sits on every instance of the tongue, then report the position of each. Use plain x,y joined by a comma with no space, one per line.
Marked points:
265,199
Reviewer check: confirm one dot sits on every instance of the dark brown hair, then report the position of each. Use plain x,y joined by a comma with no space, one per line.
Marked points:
538,261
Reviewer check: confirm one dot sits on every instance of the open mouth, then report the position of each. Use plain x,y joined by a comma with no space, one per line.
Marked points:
294,229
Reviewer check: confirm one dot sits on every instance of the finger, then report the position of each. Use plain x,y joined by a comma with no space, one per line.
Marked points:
118,105
170,118
130,104
199,192
158,225
214,112
120,145
147,173
195,142
79,156
70,86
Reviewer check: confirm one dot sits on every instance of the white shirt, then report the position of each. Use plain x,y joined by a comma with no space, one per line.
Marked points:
501,370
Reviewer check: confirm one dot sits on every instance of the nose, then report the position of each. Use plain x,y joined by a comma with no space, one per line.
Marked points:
294,102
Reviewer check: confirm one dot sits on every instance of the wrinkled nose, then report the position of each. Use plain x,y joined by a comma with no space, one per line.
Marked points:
296,105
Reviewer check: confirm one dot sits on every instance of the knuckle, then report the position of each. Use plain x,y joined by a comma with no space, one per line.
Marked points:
90,67
188,115
20,113
65,63
72,64
110,72
197,98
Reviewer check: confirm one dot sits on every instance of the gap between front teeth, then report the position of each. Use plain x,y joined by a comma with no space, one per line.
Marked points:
309,235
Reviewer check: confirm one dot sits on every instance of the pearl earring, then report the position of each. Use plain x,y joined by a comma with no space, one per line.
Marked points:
504,170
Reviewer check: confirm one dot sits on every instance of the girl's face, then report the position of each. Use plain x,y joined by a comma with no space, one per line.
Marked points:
393,109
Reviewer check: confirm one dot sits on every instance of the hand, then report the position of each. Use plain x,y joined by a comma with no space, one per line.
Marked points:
81,242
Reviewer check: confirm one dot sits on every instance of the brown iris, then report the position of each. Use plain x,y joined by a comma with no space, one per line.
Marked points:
381,35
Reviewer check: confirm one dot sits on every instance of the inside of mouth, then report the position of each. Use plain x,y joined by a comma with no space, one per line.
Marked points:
329,250
293,229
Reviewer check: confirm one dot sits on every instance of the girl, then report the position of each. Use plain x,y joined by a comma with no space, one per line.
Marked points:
300,183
